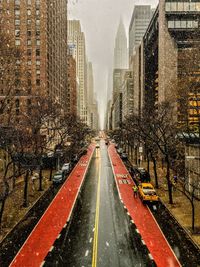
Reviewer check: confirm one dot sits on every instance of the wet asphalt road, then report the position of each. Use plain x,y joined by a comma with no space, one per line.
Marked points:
100,233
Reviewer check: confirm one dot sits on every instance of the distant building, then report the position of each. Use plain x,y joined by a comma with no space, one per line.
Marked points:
121,50
93,117
76,41
139,22
33,27
118,78
71,86
127,95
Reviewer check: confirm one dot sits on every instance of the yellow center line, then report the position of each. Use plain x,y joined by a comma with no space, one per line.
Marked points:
96,229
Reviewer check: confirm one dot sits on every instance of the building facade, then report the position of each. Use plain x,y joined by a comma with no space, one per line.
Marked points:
121,50
71,86
76,41
139,22
33,28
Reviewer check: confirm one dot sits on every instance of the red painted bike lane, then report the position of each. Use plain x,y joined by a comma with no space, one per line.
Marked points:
39,242
150,232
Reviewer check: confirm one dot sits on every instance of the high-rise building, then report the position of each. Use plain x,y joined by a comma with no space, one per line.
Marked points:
76,41
71,86
93,120
121,50
38,30
139,22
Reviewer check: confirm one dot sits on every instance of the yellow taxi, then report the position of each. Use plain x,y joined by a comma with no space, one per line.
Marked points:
147,192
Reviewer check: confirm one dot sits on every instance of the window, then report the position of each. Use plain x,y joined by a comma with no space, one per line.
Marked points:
29,52
37,82
17,12
37,2
29,62
28,42
186,6
18,61
29,33
168,6
177,24
17,42
37,33
171,24
17,33
37,22
38,62
37,52
29,82
17,22
28,22
37,42
180,6
28,12
17,2
192,6
37,12
38,72
29,2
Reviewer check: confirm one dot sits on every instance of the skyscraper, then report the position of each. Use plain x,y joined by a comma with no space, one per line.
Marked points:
120,50
76,42
139,22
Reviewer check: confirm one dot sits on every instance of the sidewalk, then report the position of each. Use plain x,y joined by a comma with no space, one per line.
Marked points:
181,209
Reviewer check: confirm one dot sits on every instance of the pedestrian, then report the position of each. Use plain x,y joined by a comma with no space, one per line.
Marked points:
135,191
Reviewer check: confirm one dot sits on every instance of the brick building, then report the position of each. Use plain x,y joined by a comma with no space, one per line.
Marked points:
38,29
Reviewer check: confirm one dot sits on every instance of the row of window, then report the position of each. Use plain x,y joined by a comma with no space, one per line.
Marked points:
29,42
29,2
182,6
17,12
17,33
37,22
182,24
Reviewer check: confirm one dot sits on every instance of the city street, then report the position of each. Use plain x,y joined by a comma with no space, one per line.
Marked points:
100,232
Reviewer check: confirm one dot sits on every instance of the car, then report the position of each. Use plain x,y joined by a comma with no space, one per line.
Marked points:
142,175
147,193
97,146
120,150
58,177
124,156
66,167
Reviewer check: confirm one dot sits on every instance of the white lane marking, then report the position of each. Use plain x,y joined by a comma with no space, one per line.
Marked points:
65,226
58,236
125,207
128,214
93,229
52,247
137,231
150,256
86,253
42,264
90,240
132,221
143,243
107,244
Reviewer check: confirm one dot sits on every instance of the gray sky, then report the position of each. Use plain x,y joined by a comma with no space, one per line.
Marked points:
99,21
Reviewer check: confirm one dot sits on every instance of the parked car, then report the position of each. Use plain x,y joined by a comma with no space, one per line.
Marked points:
120,150
124,156
58,177
147,193
97,146
143,175
66,167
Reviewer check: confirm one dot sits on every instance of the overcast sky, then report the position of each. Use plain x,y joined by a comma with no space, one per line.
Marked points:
99,21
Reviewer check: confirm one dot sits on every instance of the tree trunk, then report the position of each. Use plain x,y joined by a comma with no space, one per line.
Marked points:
155,171
50,175
40,180
148,163
14,175
193,215
25,203
168,181
2,210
